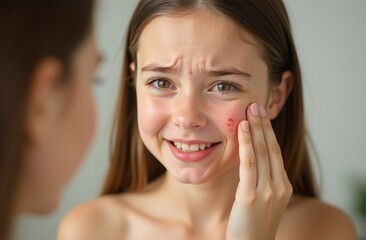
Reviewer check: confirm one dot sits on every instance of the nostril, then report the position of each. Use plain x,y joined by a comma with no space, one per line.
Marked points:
190,121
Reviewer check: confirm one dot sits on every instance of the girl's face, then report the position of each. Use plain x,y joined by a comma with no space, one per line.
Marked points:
66,135
196,75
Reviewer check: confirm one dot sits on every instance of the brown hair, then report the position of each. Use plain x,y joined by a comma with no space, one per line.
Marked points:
133,166
30,31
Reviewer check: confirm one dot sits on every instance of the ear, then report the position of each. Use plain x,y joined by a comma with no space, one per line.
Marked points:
41,100
279,94
132,66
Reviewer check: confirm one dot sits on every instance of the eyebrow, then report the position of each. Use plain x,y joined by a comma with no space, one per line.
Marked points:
156,68
228,71
211,73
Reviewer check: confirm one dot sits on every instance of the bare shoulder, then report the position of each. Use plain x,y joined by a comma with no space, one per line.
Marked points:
314,219
102,218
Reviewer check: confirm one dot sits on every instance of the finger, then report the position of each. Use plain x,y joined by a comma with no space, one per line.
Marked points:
259,144
276,165
248,164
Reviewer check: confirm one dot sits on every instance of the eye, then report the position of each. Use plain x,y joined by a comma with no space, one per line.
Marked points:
161,84
224,86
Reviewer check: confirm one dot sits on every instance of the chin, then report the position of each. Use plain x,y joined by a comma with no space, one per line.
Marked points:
192,177
204,175
191,181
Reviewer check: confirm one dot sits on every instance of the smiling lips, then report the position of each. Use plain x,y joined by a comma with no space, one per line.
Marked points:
193,147
191,152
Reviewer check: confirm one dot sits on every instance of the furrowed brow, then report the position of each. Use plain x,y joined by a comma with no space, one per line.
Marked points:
160,69
228,71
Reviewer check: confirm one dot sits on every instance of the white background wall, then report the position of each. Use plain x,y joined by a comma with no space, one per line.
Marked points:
330,36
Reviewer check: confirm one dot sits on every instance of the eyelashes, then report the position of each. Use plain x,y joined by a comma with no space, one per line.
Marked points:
223,87
160,83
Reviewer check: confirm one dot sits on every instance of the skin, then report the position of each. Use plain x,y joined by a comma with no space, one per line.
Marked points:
60,123
240,190
192,89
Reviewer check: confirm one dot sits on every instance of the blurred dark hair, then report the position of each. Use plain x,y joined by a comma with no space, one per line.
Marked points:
29,32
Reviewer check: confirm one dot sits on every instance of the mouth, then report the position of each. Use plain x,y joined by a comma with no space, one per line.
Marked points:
195,147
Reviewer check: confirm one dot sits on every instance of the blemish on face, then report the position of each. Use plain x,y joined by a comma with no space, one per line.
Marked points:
230,124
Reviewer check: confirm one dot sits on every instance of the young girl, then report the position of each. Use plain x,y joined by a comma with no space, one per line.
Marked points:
210,136
48,57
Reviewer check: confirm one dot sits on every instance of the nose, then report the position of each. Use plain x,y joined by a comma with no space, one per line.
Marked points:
188,112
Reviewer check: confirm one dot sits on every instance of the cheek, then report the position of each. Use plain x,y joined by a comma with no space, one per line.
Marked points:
86,119
78,132
230,119
231,123
150,115
91,118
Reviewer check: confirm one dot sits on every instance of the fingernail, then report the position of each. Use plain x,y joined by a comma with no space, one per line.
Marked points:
262,111
254,109
245,126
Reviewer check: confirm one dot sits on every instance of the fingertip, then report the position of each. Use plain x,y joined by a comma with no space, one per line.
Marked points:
262,111
244,125
254,109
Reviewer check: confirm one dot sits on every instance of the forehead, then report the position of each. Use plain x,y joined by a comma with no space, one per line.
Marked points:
202,33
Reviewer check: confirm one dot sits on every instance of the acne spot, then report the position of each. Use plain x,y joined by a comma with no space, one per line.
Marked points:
230,124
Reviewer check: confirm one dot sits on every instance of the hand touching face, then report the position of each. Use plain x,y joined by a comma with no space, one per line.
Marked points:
264,189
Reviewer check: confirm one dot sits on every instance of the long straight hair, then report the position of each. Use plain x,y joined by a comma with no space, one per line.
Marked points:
29,32
133,166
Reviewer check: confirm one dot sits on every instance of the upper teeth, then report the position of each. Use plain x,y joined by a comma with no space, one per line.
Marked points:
191,147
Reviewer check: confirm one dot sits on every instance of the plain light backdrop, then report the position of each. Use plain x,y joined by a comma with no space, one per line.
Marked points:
330,36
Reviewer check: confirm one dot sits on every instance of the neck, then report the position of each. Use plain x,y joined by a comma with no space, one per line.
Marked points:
204,204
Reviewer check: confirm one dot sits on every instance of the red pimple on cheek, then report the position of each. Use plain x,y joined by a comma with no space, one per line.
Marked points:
230,124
